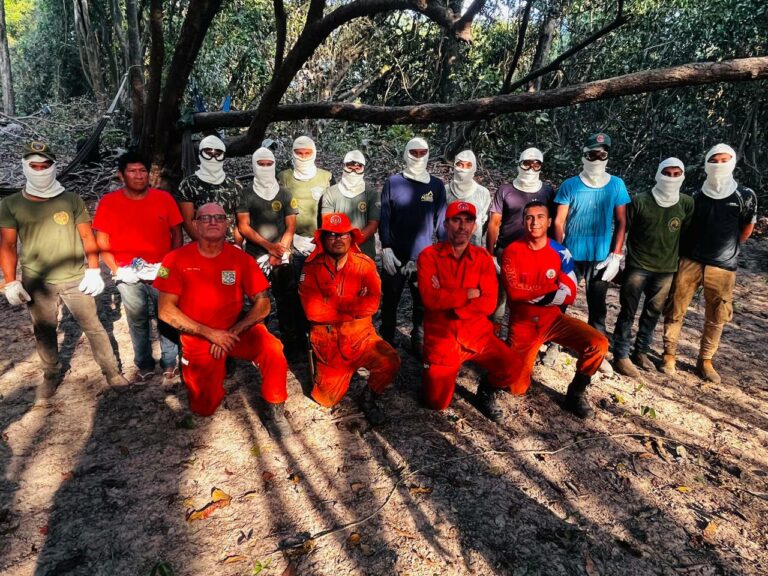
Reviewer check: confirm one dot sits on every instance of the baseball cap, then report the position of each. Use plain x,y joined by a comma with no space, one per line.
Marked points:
459,207
38,148
598,140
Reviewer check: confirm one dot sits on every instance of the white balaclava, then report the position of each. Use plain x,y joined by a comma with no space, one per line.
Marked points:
719,183
352,183
529,180
416,168
211,171
593,173
304,169
463,184
666,193
40,183
265,184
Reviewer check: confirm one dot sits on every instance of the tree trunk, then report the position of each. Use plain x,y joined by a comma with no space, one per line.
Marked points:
546,34
446,83
136,72
89,48
9,106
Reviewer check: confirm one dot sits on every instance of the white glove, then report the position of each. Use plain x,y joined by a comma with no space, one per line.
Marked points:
93,283
562,293
409,269
389,262
286,258
496,264
148,272
303,244
126,275
16,294
263,262
611,265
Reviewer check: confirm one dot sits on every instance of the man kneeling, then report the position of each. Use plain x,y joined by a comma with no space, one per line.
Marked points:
202,287
538,277
340,292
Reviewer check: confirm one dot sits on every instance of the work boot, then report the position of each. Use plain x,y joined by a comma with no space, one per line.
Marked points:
707,372
551,355
487,400
49,385
576,400
668,364
117,380
642,360
277,425
370,404
625,367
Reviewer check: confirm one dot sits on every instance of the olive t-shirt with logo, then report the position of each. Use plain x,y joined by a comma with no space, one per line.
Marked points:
360,210
307,194
51,246
653,237
267,216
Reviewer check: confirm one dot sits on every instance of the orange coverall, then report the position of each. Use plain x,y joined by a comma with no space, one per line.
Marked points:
457,329
342,334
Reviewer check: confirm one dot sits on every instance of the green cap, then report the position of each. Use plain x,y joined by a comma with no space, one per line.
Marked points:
598,140
39,148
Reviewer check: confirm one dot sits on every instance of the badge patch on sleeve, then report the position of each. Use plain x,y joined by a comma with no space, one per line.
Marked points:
228,277
362,206
163,272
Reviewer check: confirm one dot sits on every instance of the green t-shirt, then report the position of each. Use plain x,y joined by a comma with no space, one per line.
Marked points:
307,194
267,217
227,194
51,248
361,209
653,240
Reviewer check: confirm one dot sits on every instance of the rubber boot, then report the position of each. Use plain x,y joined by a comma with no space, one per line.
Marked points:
668,364
487,400
576,400
625,367
370,404
277,425
707,372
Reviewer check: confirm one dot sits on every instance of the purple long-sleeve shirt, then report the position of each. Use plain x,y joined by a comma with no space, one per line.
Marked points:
412,214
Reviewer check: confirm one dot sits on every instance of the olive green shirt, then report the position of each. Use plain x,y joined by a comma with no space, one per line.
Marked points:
51,247
307,194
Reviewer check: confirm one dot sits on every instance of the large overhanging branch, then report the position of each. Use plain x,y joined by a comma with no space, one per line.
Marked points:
695,74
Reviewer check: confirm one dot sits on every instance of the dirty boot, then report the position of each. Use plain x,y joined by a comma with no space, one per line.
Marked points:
488,401
668,364
643,361
625,367
48,385
576,400
277,425
707,372
370,404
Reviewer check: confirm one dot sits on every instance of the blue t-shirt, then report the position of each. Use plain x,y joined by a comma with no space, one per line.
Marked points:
589,226
412,213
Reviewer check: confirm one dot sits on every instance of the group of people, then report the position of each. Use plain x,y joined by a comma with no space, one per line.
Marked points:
469,260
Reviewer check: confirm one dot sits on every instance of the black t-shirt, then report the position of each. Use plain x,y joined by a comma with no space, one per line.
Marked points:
509,202
267,216
713,236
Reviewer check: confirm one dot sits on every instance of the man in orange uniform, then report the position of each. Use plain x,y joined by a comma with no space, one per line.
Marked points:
340,291
202,287
458,285
538,277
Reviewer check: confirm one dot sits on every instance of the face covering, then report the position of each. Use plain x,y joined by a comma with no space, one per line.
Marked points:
719,183
593,173
304,169
352,183
40,183
211,171
463,184
666,193
264,182
416,168
529,180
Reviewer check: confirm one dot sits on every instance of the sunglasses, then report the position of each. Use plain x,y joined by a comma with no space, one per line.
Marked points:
334,235
354,166
208,218
593,155
211,153
534,165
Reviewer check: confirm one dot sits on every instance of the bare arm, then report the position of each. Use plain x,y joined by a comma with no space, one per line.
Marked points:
256,314
620,228
102,241
290,230
244,225
8,256
177,238
170,313
560,218
492,235
370,229
746,232
187,210
89,244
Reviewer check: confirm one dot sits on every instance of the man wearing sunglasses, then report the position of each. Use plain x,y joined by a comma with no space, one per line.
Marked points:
211,184
356,198
723,218
340,292
202,287
591,221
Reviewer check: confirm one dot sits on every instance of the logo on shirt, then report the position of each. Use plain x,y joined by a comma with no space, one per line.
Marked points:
61,218
294,203
228,277
362,206
163,273
317,192
551,273
674,224
277,206
428,197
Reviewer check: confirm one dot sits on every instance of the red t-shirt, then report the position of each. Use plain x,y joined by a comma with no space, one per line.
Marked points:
210,290
138,228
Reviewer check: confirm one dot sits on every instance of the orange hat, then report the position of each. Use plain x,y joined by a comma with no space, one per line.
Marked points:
339,223
460,207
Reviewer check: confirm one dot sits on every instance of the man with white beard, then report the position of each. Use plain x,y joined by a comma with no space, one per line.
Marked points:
266,219
724,217
591,221
210,184
59,261
412,214
464,188
357,199
655,221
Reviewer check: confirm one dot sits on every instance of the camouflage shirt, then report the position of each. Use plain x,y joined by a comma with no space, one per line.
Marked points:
228,194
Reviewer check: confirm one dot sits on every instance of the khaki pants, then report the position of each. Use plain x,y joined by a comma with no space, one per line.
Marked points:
718,296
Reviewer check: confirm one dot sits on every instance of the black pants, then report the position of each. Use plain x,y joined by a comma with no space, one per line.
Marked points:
597,292
290,315
392,287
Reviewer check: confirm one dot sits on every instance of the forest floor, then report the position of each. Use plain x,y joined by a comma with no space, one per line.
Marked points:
671,477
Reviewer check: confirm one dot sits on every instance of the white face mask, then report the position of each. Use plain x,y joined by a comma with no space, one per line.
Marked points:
463,184
304,169
41,183
351,184
265,184
211,171
594,174
666,193
416,168
719,183
527,180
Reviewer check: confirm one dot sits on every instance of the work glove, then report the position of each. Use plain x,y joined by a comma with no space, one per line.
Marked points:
562,293
303,244
148,272
389,262
16,294
93,283
263,262
409,269
496,264
611,265
126,275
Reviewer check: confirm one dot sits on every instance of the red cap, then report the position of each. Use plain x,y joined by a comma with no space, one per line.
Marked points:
460,207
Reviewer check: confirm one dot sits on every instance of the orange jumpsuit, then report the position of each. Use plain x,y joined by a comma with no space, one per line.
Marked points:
529,274
342,334
457,329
